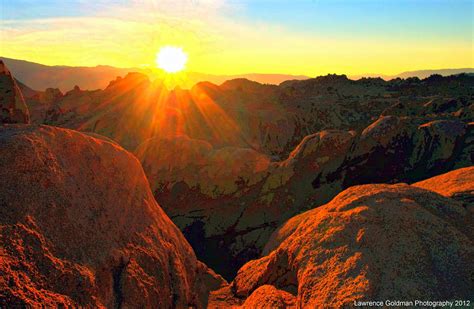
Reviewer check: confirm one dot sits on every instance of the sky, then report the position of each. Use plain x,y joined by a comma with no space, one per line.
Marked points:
310,37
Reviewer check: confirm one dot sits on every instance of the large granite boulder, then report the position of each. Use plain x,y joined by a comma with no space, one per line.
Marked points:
79,227
371,242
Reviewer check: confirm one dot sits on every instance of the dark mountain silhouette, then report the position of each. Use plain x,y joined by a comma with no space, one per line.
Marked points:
40,77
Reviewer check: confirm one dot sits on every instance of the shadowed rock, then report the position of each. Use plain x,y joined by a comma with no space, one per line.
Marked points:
12,105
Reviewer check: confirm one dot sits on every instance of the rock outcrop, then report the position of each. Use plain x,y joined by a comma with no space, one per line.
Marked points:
79,227
407,149
370,242
12,105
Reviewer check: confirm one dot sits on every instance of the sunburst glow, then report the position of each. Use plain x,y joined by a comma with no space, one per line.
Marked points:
171,59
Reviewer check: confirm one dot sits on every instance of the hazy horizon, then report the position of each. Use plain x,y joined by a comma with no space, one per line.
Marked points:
365,74
40,77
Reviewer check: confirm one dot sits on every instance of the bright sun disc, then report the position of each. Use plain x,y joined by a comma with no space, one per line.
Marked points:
171,59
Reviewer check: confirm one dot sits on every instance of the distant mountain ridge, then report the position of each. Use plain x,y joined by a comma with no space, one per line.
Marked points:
40,77
420,73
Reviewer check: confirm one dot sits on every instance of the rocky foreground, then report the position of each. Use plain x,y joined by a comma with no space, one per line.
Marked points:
370,242
80,226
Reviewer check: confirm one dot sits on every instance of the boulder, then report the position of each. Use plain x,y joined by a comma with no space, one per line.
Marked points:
79,227
197,164
269,297
370,242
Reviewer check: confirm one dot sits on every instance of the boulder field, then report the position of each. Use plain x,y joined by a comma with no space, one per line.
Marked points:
231,199
80,227
230,163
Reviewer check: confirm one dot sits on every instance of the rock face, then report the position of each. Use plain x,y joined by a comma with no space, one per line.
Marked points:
370,242
12,105
80,227
408,149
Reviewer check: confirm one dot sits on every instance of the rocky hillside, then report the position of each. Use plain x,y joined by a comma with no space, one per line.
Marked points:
366,244
79,226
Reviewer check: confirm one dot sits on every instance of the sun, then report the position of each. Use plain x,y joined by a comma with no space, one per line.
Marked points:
171,59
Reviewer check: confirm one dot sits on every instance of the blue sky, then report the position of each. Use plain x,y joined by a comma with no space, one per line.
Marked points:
32,9
407,18
411,18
